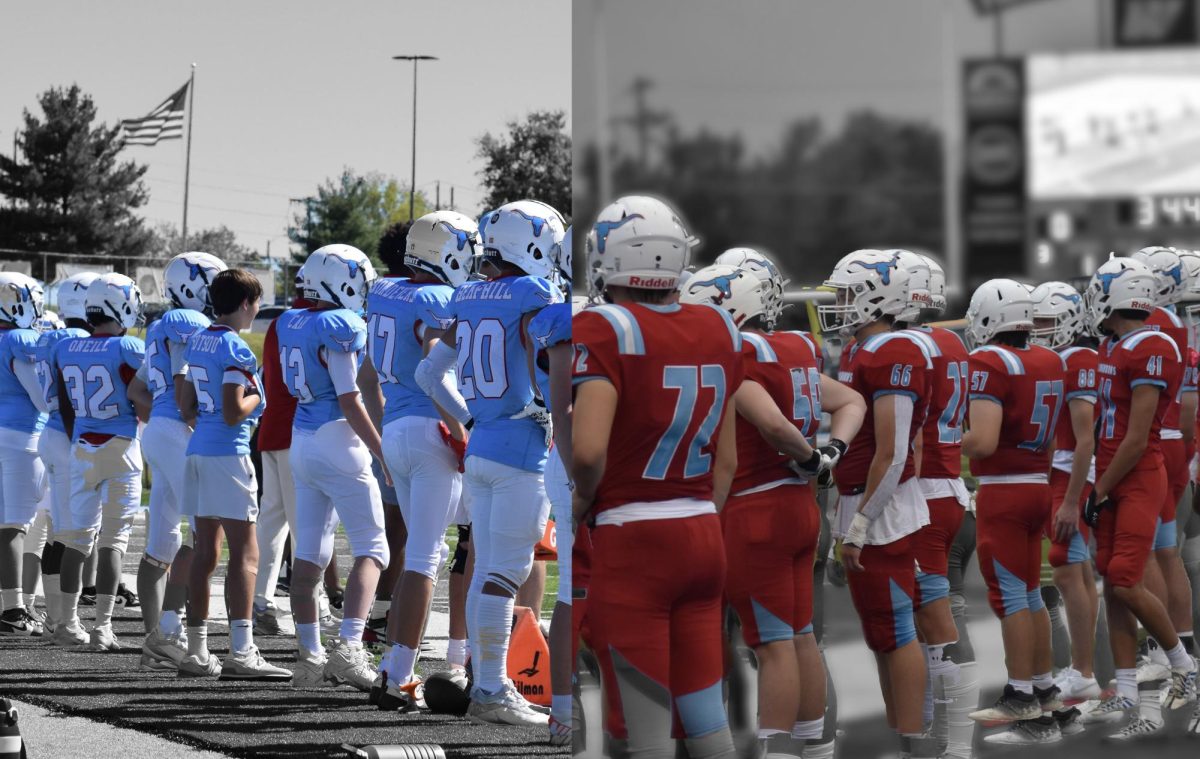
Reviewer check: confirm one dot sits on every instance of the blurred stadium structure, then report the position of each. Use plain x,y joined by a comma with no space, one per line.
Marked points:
1066,128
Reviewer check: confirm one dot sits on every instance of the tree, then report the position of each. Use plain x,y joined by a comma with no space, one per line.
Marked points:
71,193
532,161
354,210
219,241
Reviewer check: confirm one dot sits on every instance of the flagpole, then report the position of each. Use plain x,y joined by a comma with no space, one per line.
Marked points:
187,164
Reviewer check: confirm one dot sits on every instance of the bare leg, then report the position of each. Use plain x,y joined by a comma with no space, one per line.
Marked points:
531,592
204,563
1075,583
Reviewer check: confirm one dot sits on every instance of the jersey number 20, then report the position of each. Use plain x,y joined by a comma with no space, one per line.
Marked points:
688,380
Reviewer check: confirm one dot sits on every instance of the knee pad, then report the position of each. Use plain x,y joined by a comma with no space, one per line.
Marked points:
510,572
164,546
163,565
458,563
1050,596
80,540
38,532
114,533
932,587
425,563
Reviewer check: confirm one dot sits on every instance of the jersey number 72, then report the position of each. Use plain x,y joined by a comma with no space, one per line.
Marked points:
688,380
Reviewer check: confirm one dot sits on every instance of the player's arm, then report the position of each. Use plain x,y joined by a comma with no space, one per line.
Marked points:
64,406
1142,408
372,393
561,356
846,407
594,411
1066,520
754,404
343,373
431,337
236,406
26,373
188,408
433,376
983,436
726,465
893,414
140,395
1187,415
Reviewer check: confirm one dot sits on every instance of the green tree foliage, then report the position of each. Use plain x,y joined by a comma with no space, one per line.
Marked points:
532,161
219,241
354,210
70,191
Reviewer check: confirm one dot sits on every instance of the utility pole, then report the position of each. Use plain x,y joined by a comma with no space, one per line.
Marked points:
643,120
437,204
451,197
412,189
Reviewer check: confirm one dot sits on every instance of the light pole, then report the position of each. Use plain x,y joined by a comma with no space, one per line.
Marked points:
412,189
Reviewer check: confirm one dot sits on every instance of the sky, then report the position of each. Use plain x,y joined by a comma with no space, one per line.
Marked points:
289,92
754,66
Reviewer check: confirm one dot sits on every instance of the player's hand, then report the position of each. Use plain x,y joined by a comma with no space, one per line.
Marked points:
537,411
832,453
387,476
853,541
1095,504
580,507
810,468
851,557
458,446
1066,522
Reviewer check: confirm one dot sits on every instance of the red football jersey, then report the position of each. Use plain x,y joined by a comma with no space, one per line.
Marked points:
889,363
788,366
1028,385
1080,382
1173,327
275,426
941,436
1142,357
674,368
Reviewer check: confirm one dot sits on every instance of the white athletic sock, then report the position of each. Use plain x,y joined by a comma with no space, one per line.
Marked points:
70,608
1150,708
807,729
104,609
169,624
456,653
495,620
403,659
1022,686
198,641
241,635
309,636
1179,658
352,628
560,708
27,599
762,732
1127,684
10,598
379,609
1043,681
816,750
53,597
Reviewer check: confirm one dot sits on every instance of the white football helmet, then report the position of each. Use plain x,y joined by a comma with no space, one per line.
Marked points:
21,299
116,297
639,241
919,295
1062,306
338,274
999,305
523,233
1168,270
72,295
443,243
937,284
1121,283
869,284
736,290
563,262
761,266
187,277
48,322
1191,267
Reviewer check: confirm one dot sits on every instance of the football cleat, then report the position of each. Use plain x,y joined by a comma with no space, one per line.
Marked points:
1048,698
1110,709
310,670
103,639
1012,706
1149,670
1182,689
19,622
1041,731
69,634
560,734
272,621
1074,687
331,626
1194,722
504,708
348,664
1069,721
126,598
194,666
408,697
1137,728
250,665
160,652
87,596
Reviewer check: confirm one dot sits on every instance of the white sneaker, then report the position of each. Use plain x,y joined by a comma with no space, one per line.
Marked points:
1182,689
1110,709
194,666
162,653
1041,731
103,639
273,621
1075,687
504,708
348,664
250,665
1149,670
310,670
70,634
331,626
1137,728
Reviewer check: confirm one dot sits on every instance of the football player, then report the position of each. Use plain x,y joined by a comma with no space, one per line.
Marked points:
939,469
1016,396
880,504
54,447
506,455
771,521
1058,325
1137,378
654,451
1166,576
406,318
158,385
333,440
106,458
22,475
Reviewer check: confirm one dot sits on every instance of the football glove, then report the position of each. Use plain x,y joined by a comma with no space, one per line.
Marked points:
811,467
832,452
1092,509
537,411
458,446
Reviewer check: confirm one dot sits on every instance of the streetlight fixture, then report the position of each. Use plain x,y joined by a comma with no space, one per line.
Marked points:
412,190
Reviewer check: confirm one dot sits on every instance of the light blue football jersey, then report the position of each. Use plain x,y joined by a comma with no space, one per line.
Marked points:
175,326
396,310
211,354
47,369
17,411
96,370
552,326
492,367
302,333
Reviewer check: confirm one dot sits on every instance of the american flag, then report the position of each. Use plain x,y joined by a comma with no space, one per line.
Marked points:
163,123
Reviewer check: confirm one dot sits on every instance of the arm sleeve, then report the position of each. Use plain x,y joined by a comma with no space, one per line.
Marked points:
26,373
887,486
343,371
143,373
177,353
433,375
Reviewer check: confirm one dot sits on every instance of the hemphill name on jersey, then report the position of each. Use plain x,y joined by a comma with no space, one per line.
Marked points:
486,291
